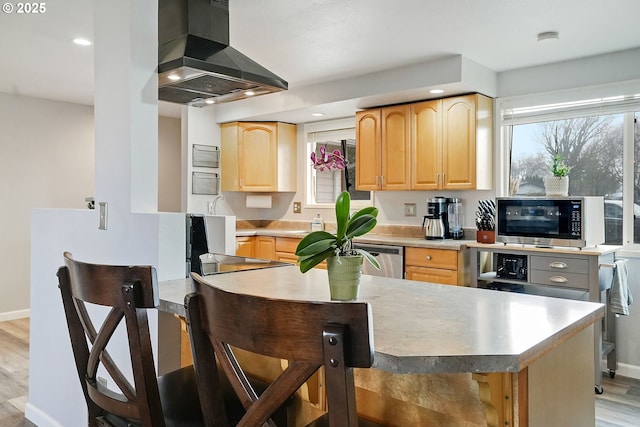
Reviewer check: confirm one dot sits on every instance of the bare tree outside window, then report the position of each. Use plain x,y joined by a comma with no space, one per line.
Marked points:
591,146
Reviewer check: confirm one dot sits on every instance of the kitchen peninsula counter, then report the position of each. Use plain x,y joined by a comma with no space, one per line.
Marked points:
542,345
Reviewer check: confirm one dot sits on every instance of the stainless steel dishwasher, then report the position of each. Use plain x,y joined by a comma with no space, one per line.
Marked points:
391,259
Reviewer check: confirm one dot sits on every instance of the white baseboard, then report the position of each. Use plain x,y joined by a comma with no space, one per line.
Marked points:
38,417
13,315
625,370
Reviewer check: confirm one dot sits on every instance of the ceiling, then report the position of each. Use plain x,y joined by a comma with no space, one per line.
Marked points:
317,41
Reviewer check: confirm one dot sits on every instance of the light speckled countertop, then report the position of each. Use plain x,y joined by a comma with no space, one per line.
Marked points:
426,328
382,239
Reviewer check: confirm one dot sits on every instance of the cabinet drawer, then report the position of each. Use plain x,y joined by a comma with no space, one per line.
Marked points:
286,257
559,265
432,275
427,257
287,244
556,278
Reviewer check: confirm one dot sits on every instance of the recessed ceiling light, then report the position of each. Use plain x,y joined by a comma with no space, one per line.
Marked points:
249,93
317,114
173,77
548,36
210,101
82,42
434,91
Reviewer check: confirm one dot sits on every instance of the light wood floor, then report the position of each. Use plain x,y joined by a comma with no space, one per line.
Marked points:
619,406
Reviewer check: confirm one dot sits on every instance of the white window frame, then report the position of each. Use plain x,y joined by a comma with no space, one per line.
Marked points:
326,126
622,98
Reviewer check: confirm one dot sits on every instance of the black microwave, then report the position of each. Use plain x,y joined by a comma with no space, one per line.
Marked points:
550,221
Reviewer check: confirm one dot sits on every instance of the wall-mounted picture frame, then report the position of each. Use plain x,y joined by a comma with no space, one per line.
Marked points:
204,183
205,156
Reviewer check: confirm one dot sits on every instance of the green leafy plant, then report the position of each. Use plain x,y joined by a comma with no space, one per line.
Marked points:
317,246
559,167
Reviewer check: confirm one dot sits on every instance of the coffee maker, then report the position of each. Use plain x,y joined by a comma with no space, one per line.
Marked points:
436,222
443,219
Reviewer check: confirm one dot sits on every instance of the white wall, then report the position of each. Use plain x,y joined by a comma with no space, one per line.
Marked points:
47,161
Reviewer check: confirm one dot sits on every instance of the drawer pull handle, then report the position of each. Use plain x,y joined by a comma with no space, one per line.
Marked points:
559,264
428,257
558,279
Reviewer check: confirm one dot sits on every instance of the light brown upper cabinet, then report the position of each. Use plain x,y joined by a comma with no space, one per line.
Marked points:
258,156
452,143
383,148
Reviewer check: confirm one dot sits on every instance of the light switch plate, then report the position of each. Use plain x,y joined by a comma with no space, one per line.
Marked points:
103,215
409,209
297,207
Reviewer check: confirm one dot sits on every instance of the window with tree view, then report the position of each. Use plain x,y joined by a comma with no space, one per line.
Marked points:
592,146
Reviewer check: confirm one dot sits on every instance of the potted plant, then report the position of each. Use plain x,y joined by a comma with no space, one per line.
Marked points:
344,263
557,184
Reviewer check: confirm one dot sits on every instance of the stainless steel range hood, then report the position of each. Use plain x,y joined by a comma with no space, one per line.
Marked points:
196,64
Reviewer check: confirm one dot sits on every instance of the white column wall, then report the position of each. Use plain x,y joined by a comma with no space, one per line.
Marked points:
126,142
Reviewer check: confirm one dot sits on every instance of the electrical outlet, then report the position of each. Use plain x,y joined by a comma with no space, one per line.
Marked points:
297,207
409,209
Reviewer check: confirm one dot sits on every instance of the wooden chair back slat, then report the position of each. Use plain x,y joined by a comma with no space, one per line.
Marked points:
94,283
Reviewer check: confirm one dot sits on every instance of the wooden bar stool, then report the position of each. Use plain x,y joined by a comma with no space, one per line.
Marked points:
151,401
336,335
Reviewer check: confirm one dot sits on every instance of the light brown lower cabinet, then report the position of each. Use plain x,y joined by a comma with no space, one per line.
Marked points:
245,246
445,266
265,247
286,251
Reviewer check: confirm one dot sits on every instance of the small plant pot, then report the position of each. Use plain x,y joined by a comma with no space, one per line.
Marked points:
344,276
486,236
556,185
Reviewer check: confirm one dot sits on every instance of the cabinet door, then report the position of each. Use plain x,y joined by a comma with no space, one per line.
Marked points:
426,145
244,246
459,142
265,247
368,140
257,157
229,179
396,148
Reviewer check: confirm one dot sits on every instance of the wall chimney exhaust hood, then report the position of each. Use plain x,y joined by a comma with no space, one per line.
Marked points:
196,64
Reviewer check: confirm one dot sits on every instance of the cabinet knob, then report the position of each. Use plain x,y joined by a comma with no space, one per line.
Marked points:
428,257
558,264
558,279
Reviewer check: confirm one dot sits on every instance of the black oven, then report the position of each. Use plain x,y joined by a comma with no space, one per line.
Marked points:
550,221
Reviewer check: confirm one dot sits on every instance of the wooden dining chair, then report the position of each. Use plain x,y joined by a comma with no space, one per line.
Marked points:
151,401
307,334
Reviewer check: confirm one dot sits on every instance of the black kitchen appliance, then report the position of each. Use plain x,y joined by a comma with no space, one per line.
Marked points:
203,262
220,263
196,242
510,266
551,221
436,222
